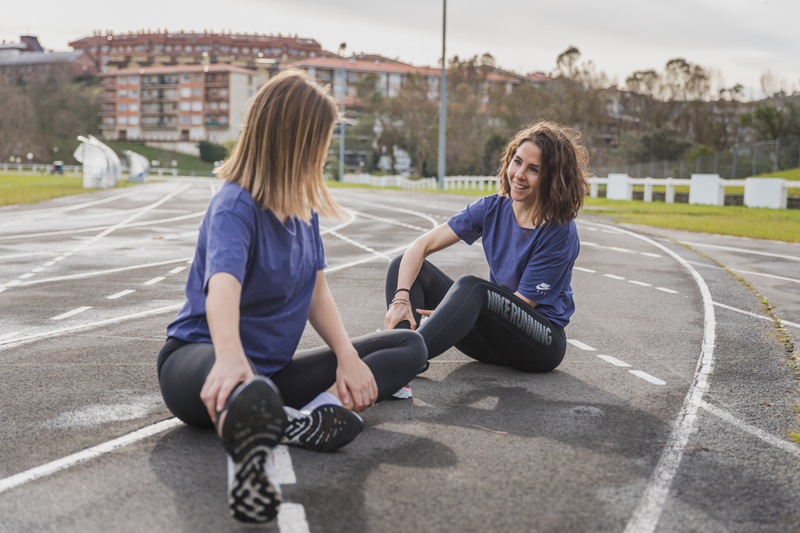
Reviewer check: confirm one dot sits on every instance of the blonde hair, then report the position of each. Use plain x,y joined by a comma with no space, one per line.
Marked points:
280,155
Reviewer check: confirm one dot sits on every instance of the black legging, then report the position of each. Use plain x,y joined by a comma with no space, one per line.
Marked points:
394,357
483,320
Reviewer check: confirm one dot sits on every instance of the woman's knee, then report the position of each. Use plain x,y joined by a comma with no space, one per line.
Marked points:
415,350
466,283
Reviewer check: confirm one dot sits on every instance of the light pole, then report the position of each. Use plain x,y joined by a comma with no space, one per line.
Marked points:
342,46
442,113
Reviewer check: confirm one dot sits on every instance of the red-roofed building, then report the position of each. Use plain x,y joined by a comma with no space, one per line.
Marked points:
112,51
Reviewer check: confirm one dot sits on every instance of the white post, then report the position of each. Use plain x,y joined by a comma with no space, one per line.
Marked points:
670,194
706,189
648,189
765,192
619,187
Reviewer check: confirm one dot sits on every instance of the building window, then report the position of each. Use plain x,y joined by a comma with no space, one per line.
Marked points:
186,106
134,107
197,91
123,80
123,93
198,77
134,93
122,121
133,121
184,119
197,106
223,119
168,48
212,106
186,92
123,107
223,105
188,48
133,80
223,92
197,119
186,78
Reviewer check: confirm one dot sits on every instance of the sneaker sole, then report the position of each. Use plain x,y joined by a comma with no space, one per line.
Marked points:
253,426
326,429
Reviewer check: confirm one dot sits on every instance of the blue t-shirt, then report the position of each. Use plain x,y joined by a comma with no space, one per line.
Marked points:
537,263
276,264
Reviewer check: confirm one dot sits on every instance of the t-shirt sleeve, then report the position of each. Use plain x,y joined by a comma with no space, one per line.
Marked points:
229,235
322,264
468,224
546,271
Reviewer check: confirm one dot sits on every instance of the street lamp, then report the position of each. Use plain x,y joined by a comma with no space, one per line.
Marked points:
342,46
442,113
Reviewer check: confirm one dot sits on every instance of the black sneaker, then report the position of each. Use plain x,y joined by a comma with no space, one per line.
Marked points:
253,426
325,429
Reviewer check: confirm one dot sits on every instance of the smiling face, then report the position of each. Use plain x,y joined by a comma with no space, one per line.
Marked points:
523,172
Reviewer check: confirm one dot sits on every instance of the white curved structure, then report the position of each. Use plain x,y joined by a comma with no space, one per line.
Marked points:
138,166
101,166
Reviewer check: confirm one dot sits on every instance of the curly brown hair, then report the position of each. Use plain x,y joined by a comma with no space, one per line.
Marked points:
563,171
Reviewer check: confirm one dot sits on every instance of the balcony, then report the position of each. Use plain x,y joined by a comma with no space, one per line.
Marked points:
160,126
159,96
159,111
214,124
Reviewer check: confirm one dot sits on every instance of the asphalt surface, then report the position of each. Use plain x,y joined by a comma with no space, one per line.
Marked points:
670,412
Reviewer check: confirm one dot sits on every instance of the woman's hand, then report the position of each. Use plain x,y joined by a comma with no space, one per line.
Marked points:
354,381
226,373
397,313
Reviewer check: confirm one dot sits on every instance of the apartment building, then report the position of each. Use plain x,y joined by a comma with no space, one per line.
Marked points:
181,103
116,51
26,62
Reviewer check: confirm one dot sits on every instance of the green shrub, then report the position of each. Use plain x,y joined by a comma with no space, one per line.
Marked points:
210,152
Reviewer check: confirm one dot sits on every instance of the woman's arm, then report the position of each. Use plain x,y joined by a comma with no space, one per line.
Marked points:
231,366
352,374
433,241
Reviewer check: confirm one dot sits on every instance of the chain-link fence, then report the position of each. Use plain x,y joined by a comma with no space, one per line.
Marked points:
740,162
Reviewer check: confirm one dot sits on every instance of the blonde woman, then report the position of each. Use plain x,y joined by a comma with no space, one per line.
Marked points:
257,277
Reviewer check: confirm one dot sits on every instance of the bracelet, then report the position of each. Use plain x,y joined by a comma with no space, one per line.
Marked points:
398,290
401,301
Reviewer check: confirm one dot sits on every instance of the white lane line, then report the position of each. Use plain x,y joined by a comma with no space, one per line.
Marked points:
120,294
773,276
177,269
762,317
648,511
612,276
3,288
284,472
358,245
94,273
46,213
582,346
617,249
37,269
610,231
27,275
114,320
589,270
391,221
71,313
648,254
89,453
592,229
585,243
292,518
642,283
154,280
59,258
352,219
613,360
97,228
744,426
9,335
662,289
434,223
647,377
742,250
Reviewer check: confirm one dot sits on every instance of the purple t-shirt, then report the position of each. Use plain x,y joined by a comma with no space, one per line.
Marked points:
537,263
276,264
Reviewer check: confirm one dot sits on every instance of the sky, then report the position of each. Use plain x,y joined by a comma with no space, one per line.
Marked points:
739,40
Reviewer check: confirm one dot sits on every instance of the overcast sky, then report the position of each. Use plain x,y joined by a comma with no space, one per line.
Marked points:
739,39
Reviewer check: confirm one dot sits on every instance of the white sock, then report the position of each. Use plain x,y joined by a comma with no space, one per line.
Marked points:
324,398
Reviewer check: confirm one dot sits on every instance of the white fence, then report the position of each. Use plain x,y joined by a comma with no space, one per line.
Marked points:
451,183
18,167
704,189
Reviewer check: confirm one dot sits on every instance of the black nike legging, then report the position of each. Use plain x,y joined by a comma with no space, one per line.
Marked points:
394,357
485,321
